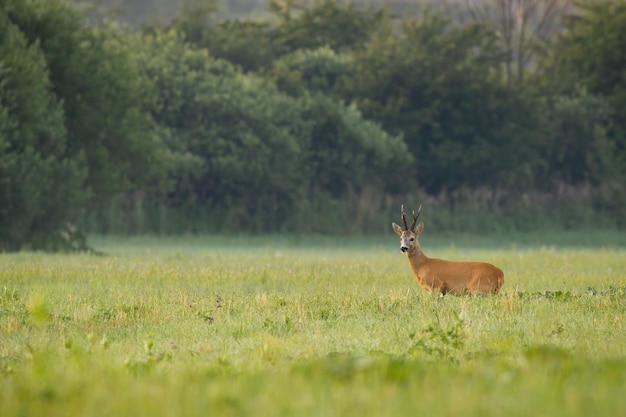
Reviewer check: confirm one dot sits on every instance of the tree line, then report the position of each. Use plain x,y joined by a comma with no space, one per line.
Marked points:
313,119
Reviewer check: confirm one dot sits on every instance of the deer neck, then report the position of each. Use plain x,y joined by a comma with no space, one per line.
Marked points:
416,257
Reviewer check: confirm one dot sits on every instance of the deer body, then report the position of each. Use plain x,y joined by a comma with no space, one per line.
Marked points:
438,275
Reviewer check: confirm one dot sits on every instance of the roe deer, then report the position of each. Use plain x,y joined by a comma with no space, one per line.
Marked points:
438,275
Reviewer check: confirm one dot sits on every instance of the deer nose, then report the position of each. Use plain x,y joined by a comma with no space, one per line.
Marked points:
404,249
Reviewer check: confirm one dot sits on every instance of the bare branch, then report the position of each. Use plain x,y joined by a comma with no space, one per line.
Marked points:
522,25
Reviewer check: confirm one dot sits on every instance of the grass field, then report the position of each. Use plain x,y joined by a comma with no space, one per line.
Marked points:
313,326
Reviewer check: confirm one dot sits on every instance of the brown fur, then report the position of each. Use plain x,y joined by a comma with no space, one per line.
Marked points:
438,275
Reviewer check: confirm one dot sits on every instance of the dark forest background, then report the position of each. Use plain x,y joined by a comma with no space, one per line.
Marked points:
318,117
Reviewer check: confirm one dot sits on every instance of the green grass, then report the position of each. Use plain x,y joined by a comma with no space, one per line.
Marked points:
312,326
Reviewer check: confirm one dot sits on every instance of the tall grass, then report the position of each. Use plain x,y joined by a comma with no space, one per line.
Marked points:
292,326
465,211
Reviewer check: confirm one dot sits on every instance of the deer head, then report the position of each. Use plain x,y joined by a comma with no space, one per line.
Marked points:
408,235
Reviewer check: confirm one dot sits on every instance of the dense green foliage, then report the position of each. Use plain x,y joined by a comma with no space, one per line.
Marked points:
438,84
587,72
238,327
39,179
312,119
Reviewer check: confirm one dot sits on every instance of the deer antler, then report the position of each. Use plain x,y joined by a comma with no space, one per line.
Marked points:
415,216
403,217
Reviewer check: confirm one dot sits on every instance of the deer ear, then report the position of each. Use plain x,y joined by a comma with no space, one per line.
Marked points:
396,228
419,229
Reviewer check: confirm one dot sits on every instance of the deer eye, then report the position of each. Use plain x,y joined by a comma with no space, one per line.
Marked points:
412,239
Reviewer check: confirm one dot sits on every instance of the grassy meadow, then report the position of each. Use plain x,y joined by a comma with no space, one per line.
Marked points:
288,326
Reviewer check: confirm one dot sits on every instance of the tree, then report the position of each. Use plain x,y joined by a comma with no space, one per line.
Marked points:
524,27
578,148
256,44
91,73
589,53
438,85
316,70
586,76
246,150
240,144
247,43
349,153
327,23
40,182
